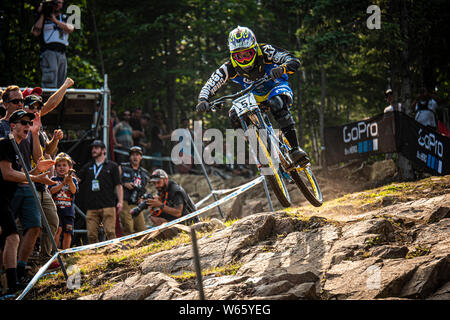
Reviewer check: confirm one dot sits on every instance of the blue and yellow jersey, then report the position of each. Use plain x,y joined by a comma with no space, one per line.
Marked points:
270,58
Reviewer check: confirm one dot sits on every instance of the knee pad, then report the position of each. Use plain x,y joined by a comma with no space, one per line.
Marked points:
280,110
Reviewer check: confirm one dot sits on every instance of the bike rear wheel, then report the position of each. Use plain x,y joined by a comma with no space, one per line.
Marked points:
307,183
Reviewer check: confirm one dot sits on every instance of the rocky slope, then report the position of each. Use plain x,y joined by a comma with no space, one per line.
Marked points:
395,247
366,242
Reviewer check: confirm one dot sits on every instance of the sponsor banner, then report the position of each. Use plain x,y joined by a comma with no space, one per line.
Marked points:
360,139
425,147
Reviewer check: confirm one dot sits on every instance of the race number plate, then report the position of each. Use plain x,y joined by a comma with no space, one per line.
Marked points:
245,104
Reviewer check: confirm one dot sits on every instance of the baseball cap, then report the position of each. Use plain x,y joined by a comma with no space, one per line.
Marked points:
136,149
29,100
158,174
98,143
36,91
146,116
19,114
388,91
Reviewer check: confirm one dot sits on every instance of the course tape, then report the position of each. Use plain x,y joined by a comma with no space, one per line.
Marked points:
37,276
222,191
238,191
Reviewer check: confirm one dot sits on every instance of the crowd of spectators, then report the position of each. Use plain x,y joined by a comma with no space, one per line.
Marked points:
135,128
115,189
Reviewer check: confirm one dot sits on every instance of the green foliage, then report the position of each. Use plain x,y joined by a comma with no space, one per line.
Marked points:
158,55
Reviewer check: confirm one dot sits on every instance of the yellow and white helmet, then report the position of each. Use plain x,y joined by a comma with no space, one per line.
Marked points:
244,48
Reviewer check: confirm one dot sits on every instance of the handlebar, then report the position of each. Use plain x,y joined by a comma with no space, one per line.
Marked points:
219,102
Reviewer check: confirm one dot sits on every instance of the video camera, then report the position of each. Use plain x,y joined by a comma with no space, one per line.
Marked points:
142,206
47,7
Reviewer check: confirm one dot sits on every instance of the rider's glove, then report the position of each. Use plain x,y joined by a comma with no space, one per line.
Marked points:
277,72
202,106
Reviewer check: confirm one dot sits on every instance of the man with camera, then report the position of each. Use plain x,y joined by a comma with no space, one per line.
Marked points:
53,32
172,201
134,179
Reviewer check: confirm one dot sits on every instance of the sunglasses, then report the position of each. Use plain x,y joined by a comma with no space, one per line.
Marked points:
36,106
15,101
244,56
25,122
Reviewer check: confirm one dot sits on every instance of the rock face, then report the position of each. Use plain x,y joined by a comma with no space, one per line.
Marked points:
398,251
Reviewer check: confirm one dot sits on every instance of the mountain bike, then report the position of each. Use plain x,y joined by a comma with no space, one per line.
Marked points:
277,167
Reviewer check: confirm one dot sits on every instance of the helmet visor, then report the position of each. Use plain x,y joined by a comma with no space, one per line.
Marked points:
244,57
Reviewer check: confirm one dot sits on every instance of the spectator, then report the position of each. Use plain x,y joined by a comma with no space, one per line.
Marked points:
172,201
53,32
123,136
102,177
33,104
2,107
135,123
23,204
134,179
158,134
143,141
64,194
426,108
390,99
10,177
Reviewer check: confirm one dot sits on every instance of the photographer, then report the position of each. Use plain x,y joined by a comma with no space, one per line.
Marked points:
53,32
134,179
172,201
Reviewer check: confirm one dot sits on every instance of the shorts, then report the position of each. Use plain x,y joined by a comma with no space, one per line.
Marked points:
25,208
7,221
67,223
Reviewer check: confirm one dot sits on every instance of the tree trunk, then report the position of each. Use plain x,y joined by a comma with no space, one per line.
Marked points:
301,121
170,81
405,167
322,111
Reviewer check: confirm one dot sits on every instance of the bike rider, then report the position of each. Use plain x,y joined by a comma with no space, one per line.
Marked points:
250,61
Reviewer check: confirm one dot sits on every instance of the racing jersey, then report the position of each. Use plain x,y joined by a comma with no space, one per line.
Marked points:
64,199
271,57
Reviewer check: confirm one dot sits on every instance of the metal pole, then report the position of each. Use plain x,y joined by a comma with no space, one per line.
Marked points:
106,114
196,154
198,268
36,199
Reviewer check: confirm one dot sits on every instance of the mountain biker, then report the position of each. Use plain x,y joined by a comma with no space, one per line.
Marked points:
250,61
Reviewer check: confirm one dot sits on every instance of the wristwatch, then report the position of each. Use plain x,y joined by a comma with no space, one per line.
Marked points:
162,207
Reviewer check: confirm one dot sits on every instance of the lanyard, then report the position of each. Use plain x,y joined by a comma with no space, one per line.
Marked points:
97,171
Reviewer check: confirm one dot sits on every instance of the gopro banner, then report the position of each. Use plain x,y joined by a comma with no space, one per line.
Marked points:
421,145
360,139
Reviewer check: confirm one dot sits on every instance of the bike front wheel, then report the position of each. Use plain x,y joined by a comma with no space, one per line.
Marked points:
307,183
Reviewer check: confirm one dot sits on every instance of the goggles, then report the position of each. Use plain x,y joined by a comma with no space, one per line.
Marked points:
244,56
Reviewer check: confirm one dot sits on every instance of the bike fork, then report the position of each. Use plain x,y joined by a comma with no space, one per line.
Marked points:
266,189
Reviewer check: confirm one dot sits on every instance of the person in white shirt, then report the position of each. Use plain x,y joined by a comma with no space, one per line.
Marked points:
425,109
390,98
53,32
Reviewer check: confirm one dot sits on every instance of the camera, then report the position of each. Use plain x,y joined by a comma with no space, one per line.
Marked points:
142,206
134,195
47,7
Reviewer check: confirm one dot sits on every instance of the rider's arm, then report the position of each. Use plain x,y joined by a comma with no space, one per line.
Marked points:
216,81
273,54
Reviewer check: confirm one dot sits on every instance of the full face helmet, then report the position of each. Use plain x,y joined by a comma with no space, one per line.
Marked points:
243,48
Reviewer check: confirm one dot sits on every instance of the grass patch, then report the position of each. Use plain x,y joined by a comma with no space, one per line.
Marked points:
227,270
418,252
